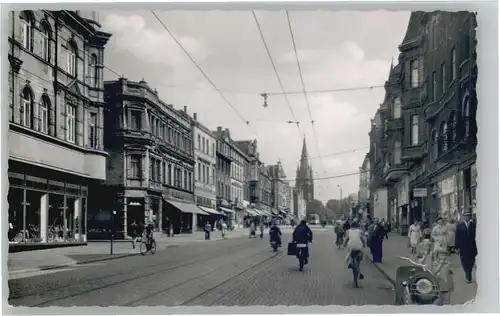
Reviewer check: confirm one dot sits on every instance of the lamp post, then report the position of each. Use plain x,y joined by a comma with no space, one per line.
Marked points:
113,213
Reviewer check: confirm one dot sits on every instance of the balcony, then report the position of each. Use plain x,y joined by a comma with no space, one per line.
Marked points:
414,153
392,173
395,124
458,150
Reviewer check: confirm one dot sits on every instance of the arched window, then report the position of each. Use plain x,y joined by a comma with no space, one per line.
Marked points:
46,34
27,23
26,109
443,137
452,129
43,114
434,144
72,54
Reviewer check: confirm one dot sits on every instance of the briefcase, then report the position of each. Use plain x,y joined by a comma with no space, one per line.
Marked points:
292,249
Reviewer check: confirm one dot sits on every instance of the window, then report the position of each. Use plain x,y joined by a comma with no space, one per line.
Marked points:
71,59
169,174
414,129
452,127
185,180
164,172
414,80
135,120
27,30
453,64
207,147
397,152
135,167
70,123
93,130
443,78
199,142
434,87
43,115
434,144
93,71
443,137
466,117
26,107
203,145
198,176
396,107
203,174
45,33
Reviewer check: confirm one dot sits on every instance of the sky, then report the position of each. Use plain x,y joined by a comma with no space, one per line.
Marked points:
336,50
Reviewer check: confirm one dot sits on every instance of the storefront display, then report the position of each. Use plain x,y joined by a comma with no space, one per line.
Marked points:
447,193
45,211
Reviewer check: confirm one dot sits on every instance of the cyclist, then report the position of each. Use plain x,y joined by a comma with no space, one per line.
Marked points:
148,230
354,241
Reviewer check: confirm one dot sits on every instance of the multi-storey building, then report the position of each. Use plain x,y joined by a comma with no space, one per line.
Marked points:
299,204
151,165
224,160
239,164
279,189
55,97
205,166
253,178
266,189
431,131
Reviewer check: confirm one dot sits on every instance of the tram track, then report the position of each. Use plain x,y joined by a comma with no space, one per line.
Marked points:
35,294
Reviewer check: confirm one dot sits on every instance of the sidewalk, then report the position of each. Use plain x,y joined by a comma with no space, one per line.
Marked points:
397,246
48,259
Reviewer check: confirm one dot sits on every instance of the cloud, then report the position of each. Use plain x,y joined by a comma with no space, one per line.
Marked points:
354,50
130,33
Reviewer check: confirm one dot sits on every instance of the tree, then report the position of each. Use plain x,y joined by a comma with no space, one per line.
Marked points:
316,207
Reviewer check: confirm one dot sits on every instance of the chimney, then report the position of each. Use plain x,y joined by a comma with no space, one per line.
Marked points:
185,109
195,116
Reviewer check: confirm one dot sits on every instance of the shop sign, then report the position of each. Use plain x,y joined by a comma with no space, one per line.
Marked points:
180,195
134,203
420,192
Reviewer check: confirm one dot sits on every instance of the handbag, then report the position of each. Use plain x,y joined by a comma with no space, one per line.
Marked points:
292,249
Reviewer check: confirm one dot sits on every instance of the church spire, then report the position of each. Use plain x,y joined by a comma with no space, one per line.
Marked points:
304,150
392,65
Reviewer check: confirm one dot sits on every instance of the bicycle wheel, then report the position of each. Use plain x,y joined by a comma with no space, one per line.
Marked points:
355,270
143,248
153,247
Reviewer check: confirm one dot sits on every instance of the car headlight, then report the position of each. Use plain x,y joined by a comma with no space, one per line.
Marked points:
424,286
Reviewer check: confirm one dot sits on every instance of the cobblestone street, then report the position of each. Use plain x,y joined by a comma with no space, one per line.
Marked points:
237,271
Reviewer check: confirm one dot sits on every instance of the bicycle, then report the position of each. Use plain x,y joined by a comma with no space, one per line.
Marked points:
147,246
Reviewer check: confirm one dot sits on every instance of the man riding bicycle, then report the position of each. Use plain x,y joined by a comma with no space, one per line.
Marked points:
339,232
354,242
148,230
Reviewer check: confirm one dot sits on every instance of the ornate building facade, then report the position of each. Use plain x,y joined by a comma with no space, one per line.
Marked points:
55,110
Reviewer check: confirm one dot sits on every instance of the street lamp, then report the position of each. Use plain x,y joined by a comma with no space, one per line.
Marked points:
113,213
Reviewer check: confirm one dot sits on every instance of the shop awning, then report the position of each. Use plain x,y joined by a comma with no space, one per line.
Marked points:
211,211
226,209
251,212
187,207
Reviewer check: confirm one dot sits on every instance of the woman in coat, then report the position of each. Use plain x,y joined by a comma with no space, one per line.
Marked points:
452,230
414,235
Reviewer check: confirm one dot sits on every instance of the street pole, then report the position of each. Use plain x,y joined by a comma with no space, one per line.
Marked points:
112,229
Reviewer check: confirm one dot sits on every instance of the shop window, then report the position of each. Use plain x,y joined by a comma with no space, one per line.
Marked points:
56,218
72,205
33,215
15,199
83,222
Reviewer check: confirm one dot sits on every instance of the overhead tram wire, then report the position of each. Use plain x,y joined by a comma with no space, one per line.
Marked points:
247,123
328,177
303,86
276,73
340,153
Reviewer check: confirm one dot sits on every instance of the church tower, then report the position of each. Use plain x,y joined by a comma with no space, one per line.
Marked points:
304,178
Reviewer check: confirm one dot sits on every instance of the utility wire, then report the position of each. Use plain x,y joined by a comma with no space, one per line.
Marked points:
303,85
276,72
203,73
328,177
340,153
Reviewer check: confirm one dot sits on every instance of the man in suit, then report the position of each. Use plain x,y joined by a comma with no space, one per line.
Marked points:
465,242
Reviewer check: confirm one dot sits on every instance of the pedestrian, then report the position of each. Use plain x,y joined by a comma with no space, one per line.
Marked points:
223,229
252,230
261,227
371,234
451,226
414,235
377,242
385,225
207,229
465,243
439,236
133,233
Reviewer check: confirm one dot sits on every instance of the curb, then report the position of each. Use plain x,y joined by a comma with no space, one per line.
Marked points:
384,273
